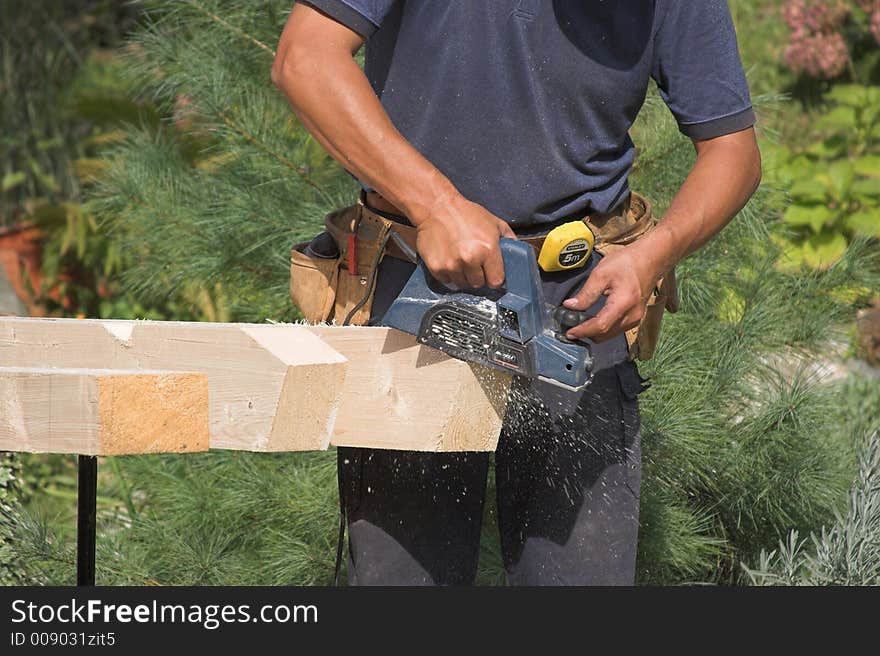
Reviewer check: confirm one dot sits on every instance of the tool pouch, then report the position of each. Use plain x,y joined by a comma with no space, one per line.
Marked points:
333,277
313,280
642,340
619,231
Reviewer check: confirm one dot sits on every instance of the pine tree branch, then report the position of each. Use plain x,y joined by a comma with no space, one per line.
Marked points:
646,160
259,144
207,12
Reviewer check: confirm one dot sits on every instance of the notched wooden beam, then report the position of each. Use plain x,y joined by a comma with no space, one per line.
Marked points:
271,387
289,387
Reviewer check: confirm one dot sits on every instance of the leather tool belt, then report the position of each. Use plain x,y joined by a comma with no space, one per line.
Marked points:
338,284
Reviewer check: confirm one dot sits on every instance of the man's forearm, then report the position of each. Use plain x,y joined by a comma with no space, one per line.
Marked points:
725,175
343,113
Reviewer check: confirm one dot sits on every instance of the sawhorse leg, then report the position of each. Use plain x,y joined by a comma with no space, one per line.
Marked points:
87,507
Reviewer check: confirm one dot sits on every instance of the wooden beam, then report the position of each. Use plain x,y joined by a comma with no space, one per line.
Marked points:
102,411
271,387
289,387
399,394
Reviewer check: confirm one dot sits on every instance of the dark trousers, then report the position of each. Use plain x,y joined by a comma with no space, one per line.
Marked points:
567,489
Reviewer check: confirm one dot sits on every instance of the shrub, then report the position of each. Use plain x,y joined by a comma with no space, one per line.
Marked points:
846,553
834,181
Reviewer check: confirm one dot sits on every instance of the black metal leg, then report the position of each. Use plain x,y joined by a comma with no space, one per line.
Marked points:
87,508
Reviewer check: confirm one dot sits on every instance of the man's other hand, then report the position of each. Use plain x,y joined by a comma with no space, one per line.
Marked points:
626,278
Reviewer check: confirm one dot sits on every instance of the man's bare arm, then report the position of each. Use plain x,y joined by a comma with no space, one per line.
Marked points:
315,67
726,174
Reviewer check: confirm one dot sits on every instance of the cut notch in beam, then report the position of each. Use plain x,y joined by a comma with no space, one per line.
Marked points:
272,387
400,394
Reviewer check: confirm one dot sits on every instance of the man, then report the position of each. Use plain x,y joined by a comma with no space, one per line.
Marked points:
475,120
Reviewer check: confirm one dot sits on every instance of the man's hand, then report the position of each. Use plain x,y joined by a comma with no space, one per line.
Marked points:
726,173
460,244
627,278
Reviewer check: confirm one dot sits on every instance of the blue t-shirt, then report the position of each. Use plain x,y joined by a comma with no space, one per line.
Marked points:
526,105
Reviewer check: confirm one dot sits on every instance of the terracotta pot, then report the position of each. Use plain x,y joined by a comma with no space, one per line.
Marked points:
21,253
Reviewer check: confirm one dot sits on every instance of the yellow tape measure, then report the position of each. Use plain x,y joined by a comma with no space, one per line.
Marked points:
568,246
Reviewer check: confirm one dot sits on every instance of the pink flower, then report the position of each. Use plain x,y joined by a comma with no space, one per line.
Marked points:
817,47
820,55
823,17
793,13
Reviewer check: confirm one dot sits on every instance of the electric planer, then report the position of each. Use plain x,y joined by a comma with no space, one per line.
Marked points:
511,329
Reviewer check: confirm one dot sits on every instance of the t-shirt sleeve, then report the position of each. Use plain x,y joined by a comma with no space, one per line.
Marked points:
362,16
698,69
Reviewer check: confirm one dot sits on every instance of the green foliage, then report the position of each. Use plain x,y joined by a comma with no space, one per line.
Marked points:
742,438
847,553
207,519
834,182
761,31
64,101
80,260
226,212
9,513
861,408
41,48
